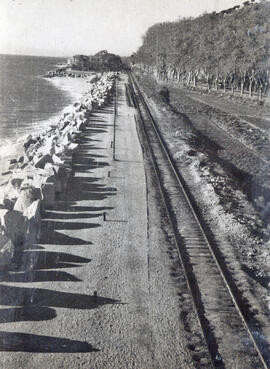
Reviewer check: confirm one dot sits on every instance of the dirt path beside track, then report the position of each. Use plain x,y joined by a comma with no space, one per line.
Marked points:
98,293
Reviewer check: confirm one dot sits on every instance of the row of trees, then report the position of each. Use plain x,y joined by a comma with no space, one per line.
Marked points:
229,51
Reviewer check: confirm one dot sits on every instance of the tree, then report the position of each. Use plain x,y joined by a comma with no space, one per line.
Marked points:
230,48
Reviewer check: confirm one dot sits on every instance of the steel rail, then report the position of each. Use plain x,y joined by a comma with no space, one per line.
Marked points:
182,254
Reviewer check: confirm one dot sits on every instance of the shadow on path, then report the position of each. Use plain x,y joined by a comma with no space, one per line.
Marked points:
21,296
63,223
39,276
27,313
44,344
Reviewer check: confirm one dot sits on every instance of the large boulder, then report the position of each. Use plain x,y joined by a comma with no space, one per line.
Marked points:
70,148
80,125
15,225
47,147
36,177
14,184
33,211
10,192
29,141
57,160
6,248
48,194
40,161
25,199
64,139
33,215
77,107
63,124
8,203
32,149
63,174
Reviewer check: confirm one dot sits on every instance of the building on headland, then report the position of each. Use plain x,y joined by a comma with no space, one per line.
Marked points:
80,62
100,61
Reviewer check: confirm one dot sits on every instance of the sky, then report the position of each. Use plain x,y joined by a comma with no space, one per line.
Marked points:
68,27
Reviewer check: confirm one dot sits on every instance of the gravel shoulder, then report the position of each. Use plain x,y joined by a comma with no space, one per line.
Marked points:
249,109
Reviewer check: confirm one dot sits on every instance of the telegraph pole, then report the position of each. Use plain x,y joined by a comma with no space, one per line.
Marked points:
114,119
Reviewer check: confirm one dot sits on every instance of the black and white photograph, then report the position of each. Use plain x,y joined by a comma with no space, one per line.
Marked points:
134,184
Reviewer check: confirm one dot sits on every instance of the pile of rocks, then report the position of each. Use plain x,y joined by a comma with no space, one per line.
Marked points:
65,73
35,179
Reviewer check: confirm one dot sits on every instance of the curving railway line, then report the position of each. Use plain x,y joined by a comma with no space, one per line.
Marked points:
232,335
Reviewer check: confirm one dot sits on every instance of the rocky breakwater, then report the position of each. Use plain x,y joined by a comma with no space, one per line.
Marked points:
36,179
66,73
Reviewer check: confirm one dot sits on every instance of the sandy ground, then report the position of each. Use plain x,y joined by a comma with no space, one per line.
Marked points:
94,293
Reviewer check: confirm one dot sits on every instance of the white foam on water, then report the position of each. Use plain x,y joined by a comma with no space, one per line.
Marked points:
13,148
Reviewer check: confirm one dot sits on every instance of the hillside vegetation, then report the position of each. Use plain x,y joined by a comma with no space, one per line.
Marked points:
223,50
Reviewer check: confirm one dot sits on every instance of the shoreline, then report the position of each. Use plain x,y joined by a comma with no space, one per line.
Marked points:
36,178
74,89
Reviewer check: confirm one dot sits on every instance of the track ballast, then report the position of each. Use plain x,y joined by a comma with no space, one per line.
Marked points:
232,336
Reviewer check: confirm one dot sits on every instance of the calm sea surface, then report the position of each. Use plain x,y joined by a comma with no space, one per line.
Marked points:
27,100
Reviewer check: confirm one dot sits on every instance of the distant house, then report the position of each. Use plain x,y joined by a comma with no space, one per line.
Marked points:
80,62
100,61
109,61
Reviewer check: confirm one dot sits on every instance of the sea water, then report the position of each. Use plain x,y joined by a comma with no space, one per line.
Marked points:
27,100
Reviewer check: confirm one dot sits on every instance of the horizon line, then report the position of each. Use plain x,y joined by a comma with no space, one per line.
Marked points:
59,57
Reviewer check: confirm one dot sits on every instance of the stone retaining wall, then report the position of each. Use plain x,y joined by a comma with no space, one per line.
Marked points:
35,179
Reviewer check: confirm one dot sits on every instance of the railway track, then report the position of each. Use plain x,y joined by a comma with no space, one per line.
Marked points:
232,335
